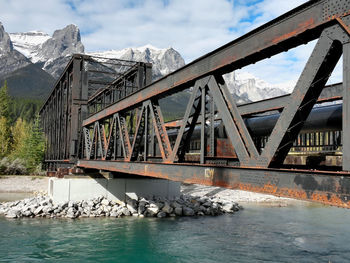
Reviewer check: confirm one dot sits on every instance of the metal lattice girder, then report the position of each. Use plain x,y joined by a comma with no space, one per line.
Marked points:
234,124
124,136
139,133
110,145
308,88
87,142
160,130
188,123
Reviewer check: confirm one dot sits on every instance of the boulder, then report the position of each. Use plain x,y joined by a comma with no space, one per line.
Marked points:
71,214
105,202
167,208
132,209
188,211
13,213
114,214
27,213
125,211
151,211
131,199
38,210
141,209
143,202
178,211
161,214
228,208
176,205
207,204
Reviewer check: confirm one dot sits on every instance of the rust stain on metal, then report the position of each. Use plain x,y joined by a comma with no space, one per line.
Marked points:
332,17
301,28
343,25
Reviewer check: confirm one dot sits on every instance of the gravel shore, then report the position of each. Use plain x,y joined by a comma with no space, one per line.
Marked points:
237,195
23,184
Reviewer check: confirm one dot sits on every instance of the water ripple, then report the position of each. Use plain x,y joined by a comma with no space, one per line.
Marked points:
256,234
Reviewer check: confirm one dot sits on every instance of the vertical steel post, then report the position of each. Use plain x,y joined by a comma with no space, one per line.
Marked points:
146,135
346,107
75,99
140,81
202,150
148,74
212,130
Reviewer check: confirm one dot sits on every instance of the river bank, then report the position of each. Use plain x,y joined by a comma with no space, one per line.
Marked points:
11,186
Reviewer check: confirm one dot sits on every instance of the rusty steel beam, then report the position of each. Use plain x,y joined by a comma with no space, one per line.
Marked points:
329,93
346,106
332,188
299,26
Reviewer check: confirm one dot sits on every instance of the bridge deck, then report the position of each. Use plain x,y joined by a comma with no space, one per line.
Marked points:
321,186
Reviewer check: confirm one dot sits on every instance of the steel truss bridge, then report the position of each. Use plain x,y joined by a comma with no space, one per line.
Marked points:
105,114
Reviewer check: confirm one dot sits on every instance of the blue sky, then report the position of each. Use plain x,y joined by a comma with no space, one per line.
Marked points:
192,27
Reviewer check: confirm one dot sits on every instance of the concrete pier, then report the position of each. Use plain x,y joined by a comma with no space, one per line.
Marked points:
84,188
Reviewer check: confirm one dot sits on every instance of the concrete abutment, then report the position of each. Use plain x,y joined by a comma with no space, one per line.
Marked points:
84,188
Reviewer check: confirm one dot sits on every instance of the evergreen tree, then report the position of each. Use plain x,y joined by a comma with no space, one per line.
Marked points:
5,102
34,146
5,131
20,132
5,138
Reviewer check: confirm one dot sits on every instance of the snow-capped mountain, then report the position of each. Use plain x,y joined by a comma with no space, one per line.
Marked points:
52,53
163,61
29,43
249,88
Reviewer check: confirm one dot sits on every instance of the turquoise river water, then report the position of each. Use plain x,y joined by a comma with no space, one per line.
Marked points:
296,233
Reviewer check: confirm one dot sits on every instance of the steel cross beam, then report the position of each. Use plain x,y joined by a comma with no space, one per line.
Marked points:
299,26
325,187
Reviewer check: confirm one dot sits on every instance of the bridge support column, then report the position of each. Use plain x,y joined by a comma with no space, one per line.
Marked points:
346,107
85,188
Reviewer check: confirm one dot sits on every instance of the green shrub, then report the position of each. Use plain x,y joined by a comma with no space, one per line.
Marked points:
12,167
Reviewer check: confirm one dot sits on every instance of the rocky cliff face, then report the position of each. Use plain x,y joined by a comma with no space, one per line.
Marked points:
10,59
57,50
247,88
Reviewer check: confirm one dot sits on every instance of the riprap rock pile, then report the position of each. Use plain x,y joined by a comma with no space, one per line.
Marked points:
43,206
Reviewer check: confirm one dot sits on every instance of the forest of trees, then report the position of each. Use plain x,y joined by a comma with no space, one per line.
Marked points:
22,143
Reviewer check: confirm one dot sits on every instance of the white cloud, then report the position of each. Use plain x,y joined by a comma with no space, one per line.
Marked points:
194,27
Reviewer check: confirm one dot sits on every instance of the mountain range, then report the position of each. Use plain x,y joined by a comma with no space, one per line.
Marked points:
31,61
